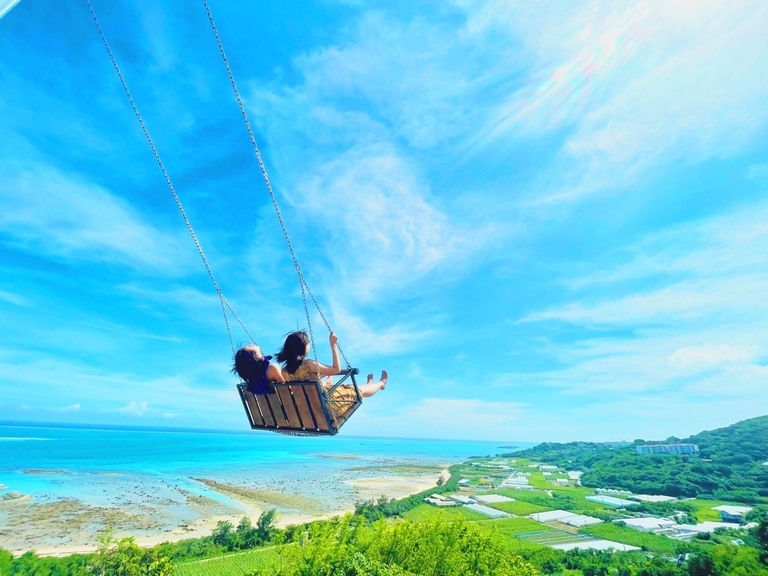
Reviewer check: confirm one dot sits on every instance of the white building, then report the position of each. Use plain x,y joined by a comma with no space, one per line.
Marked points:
649,524
651,498
732,513
461,499
440,502
596,545
487,511
493,498
565,517
516,480
611,501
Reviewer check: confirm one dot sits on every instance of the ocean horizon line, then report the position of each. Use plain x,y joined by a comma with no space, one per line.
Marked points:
232,431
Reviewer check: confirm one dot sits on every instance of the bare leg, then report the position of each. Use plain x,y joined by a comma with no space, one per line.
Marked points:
370,387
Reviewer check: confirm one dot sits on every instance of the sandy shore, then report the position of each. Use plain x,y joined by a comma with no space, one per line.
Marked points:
70,526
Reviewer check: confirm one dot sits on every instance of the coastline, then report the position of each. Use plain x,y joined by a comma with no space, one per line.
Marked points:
70,526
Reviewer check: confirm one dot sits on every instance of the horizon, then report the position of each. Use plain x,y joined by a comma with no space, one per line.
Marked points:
161,428
544,222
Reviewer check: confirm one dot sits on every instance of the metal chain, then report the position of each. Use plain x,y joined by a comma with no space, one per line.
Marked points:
225,305
302,281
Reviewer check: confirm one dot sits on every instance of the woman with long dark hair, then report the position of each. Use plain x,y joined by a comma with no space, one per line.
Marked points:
296,366
255,369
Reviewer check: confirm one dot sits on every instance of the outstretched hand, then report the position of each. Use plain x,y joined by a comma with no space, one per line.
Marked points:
333,339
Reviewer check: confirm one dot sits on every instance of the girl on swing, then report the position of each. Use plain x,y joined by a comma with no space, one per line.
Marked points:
257,371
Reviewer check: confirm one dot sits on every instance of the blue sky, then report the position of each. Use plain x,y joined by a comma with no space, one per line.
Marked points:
547,221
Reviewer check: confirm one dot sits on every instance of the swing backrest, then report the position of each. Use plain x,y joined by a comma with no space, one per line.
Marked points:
300,407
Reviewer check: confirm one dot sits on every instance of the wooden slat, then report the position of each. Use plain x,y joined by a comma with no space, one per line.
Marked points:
253,409
294,422
269,422
277,409
303,408
241,392
316,405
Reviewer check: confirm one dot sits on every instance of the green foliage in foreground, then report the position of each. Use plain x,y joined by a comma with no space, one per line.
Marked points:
349,546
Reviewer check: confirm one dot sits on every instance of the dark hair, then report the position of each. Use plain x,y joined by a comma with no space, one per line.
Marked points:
293,351
248,366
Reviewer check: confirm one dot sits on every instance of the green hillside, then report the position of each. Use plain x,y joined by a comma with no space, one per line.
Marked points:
729,464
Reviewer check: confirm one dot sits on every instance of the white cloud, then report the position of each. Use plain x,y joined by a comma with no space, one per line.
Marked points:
70,408
635,85
361,339
709,355
382,232
711,269
135,408
12,298
62,216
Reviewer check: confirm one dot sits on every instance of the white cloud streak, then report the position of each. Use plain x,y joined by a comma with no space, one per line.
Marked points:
62,216
635,85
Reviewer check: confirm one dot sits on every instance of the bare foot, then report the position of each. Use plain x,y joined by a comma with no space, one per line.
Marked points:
369,379
384,377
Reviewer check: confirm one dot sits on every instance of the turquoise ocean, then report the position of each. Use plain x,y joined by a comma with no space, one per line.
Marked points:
102,466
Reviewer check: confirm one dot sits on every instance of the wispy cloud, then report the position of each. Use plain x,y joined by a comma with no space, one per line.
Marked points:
63,216
384,87
634,84
680,314
12,298
383,233
135,408
70,408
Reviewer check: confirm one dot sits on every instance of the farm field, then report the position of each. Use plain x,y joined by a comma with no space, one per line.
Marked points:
235,564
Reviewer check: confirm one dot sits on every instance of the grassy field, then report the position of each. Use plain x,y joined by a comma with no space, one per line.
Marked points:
703,509
237,564
652,542
512,527
520,508
425,512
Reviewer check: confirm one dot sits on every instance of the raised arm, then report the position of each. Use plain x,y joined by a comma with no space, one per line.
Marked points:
333,340
322,369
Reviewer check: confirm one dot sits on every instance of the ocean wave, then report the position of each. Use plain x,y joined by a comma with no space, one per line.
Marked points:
12,439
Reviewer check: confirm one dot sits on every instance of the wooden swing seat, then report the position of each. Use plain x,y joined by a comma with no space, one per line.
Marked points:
300,407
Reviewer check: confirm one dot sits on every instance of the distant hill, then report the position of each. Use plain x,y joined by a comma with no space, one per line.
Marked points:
729,464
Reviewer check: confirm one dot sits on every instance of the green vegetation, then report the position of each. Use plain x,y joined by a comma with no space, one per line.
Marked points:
728,467
236,564
409,537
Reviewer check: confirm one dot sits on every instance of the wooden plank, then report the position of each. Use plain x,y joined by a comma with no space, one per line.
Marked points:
303,408
269,422
277,409
253,409
311,389
286,396
241,392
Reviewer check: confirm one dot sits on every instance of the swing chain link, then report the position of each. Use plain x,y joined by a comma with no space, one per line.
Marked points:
302,281
225,305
